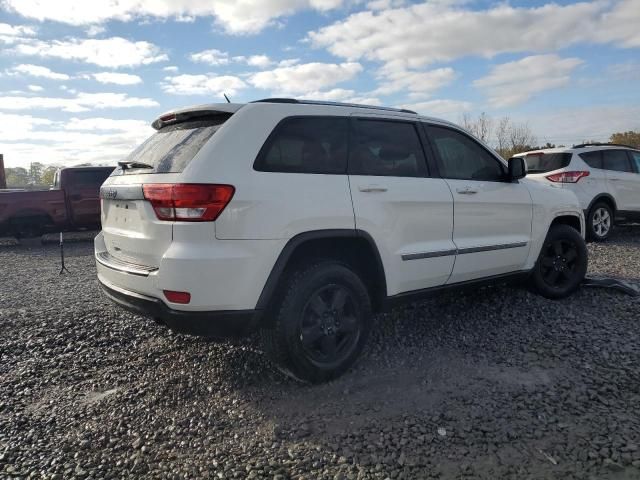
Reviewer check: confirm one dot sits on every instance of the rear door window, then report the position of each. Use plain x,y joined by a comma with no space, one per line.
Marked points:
171,148
593,159
306,145
389,148
546,162
635,159
616,160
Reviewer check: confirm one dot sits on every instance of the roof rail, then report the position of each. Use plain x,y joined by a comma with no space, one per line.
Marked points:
602,144
334,104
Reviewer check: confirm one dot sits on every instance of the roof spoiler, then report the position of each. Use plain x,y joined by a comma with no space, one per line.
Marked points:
194,113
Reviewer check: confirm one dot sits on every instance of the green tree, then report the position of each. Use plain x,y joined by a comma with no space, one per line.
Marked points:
17,177
35,172
630,138
46,178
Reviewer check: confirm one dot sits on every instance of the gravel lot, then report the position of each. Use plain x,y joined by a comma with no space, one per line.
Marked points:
497,383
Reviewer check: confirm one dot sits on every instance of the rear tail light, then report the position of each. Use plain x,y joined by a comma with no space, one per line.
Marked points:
567,177
188,202
177,297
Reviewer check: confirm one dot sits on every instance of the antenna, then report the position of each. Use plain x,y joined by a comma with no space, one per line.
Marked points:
226,98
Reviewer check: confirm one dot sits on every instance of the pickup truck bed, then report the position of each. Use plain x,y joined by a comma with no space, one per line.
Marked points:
72,204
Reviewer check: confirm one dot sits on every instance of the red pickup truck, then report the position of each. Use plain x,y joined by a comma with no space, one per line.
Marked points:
72,204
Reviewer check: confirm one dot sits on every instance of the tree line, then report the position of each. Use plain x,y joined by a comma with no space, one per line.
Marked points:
509,137
37,176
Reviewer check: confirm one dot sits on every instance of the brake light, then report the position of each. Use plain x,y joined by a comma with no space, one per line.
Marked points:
567,177
188,202
177,297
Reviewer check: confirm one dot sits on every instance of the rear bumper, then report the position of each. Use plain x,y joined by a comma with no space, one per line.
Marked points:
217,324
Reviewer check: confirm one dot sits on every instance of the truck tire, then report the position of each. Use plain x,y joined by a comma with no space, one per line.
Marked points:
321,322
599,222
562,263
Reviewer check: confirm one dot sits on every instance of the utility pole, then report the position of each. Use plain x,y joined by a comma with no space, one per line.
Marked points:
3,178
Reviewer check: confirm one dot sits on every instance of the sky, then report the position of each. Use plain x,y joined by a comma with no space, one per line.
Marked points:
81,81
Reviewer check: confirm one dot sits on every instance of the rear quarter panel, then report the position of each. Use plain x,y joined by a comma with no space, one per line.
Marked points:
269,205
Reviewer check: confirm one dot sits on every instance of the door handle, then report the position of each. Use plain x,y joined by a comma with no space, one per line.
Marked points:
466,191
615,179
372,188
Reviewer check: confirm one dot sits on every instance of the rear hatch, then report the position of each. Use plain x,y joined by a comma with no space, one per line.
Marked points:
133,232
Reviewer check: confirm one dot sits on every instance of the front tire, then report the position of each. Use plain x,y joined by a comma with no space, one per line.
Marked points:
562,263
599,222
321,322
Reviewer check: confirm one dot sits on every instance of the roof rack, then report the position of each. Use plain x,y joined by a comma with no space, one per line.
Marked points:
602,144
334,104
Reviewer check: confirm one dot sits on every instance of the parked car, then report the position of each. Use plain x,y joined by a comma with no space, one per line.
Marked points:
304,218
72,203
604,177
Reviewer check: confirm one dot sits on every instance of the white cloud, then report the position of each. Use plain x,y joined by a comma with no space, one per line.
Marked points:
16,30
82,102
260,61
117,78
38,71
305,77
108,52
170,68
516,82
203,85
568,126
35,88
94,30
448,109
392,81
106,124
210,57
424,33
235,16
17,127
288,62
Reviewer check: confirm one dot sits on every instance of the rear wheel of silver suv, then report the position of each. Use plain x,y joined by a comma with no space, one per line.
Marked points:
321,323
599,222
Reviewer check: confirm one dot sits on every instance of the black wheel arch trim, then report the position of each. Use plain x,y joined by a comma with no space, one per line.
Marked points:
282,261
599,197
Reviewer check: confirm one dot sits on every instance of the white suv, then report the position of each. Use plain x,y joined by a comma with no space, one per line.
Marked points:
604,177
302,219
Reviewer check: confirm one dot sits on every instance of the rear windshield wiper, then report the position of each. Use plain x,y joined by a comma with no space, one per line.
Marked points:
129,165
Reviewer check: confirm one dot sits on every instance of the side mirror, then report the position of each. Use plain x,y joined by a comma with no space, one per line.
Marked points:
517,168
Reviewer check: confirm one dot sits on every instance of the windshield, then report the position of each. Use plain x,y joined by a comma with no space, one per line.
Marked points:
546,162
172,148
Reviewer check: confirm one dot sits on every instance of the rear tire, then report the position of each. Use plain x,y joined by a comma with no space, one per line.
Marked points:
599,222
321,322
562,263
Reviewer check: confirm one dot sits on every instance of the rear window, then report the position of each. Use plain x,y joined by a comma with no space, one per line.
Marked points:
171,148
546,162
90,177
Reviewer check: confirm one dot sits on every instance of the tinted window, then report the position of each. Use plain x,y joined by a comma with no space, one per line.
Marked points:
616,160
593,159
386,148
546,162
635,156
306,145
90,177
171,148
461,157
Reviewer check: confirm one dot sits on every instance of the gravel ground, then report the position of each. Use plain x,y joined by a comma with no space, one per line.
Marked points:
497,383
